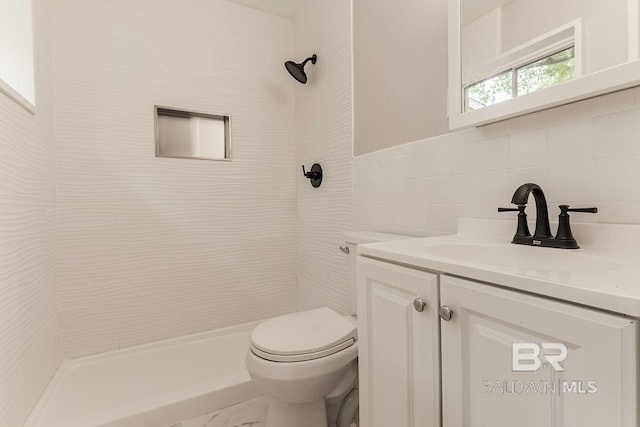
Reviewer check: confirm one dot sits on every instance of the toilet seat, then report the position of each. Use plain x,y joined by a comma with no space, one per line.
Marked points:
303,336
302,357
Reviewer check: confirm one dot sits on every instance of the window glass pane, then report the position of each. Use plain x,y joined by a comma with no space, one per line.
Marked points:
16,50
546,72
490,91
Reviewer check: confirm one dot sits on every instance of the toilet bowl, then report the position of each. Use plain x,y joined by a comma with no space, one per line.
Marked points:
306,362
299,359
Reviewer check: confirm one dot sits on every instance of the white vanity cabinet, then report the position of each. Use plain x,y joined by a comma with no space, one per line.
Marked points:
571,366
399,355
482,387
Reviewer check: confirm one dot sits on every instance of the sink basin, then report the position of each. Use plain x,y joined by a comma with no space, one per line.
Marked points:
522,258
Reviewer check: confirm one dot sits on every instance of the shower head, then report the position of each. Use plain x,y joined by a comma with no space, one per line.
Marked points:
297,70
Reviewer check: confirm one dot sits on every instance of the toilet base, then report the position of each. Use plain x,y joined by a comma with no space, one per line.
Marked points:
282,414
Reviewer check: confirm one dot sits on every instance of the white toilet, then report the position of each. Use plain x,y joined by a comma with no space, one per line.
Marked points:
306,362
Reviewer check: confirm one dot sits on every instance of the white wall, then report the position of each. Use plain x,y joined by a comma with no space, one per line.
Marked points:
152,248
29,332
323,135
400,72
583,154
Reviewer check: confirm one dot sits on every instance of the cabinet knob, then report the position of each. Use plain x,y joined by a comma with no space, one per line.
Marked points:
446,313
419,304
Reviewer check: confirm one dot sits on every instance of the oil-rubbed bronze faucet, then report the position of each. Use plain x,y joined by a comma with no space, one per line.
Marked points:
542,236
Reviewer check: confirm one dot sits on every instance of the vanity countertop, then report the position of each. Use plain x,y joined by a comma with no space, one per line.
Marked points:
604,273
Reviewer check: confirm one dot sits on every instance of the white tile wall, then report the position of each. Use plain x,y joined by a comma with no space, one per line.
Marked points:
153,248
29,325
323,135
583,154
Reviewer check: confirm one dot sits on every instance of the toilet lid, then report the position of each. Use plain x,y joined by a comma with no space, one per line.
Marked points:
303,336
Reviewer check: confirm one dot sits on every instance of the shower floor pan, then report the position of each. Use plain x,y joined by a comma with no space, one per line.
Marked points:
152,385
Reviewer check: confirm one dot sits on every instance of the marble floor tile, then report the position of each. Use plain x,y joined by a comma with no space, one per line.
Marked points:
252,413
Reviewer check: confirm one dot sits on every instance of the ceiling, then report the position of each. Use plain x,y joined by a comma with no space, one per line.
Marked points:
285,8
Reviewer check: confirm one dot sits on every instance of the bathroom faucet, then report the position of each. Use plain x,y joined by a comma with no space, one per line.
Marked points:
542,236
521,197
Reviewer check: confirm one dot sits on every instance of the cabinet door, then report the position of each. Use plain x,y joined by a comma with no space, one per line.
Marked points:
399,355
484,383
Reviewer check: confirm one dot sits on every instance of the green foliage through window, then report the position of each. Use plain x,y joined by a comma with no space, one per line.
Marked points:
546,72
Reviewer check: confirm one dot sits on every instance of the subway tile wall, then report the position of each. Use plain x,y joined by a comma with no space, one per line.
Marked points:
153,248
583,154
29,322
323,135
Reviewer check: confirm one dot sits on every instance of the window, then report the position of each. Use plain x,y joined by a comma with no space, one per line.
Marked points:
544,61
16,52
522,79
191,135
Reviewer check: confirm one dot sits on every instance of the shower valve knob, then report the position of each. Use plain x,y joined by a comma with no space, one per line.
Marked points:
314,175
311,174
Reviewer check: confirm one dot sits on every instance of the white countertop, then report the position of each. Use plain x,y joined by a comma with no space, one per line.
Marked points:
604,273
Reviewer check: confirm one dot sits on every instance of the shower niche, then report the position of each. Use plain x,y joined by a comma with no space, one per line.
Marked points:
192,135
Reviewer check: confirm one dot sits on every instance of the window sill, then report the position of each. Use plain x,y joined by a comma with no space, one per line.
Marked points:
17,98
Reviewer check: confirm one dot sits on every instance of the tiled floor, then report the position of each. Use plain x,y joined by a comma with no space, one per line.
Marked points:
252,413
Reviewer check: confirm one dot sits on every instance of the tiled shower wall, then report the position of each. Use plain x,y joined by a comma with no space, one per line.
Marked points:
323,135
583,154
29,324
152,248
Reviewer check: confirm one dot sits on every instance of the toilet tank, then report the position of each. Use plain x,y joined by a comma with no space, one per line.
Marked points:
353,239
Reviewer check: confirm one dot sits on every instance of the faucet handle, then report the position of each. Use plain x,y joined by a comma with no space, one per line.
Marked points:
519,209
523,227
564,235
565,208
